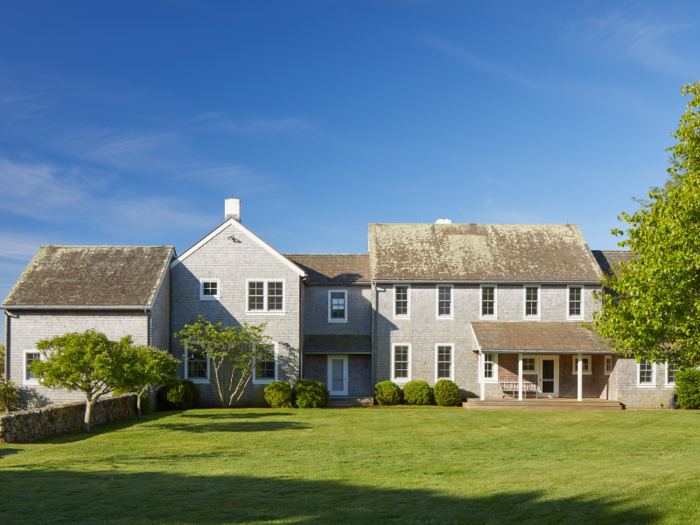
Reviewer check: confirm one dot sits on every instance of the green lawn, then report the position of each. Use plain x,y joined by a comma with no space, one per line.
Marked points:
362,466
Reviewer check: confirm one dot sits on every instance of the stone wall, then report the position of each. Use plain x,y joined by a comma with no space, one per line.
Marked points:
30,425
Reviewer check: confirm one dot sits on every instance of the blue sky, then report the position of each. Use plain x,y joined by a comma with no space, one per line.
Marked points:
131,122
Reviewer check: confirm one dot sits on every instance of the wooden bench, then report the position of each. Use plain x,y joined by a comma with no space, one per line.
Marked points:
512,386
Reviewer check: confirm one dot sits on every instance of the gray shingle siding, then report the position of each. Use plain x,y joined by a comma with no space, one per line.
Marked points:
359,311
160,315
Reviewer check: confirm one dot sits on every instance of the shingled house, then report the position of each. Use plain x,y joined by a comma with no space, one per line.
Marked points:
496,308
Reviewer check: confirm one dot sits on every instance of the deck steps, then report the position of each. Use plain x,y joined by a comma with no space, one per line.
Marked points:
542,404
347,402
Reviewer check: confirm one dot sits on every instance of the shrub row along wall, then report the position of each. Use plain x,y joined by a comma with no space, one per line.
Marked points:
30,425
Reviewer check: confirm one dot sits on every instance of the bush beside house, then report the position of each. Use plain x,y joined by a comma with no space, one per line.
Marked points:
447,393
310,394
418,393
387,393
688,388
179,397
279,395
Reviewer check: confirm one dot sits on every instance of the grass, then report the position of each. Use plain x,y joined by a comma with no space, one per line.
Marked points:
362,466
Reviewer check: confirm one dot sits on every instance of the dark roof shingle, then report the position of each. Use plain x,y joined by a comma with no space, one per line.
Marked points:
333,268
610,260
542,337
91,276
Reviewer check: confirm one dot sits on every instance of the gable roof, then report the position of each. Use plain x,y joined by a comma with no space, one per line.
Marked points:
91,277
236,224
480,252
528,336
610,260
333,267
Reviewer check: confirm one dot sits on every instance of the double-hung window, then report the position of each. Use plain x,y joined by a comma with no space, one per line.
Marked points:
337,306
401,363
29,357
209,289
586,360
265,296
266,364
401,301
490,370
443,362
608,364
532,302
444,302
196,366
488,301
645,373
671,370
575,303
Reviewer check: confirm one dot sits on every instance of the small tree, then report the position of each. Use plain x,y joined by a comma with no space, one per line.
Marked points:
88,362
9,397
148,366
233,351
2,361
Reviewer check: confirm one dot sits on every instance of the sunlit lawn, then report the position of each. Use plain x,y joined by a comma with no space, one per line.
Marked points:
362,466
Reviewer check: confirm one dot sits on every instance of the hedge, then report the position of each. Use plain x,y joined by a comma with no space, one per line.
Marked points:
418,393
387,393
688,388
179,397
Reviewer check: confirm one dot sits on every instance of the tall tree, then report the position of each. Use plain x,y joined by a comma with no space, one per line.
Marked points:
87,361
651,307
233,351
148,366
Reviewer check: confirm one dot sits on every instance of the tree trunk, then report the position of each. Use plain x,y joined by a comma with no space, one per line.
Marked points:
138,404
86,425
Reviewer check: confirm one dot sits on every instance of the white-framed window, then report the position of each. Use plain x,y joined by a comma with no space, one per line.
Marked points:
401,363
444,302
489,307
586,365
29,357
196,366
531,295
489,371
444,361
209,289
402,300
337,306
608,364
574,304
266,370
671,370
646,373
529,364
264,296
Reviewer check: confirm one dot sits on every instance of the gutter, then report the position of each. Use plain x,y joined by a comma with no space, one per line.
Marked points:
43,307
449,281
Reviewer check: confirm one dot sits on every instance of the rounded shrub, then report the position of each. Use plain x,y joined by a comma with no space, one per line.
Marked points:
688,388
9,395
178,397
310,394
279,395
446,393
387,393
418,393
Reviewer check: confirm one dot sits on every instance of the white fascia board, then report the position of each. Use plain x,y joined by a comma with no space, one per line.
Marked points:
250,235
478,345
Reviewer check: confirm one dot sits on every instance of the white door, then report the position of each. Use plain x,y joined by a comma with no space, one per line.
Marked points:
338,375
548,379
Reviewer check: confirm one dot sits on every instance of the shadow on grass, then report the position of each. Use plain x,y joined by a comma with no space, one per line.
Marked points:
156,497
233,415
8,451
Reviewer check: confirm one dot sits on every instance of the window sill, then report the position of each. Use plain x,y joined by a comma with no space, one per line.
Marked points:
209,297
532,318
337,320
646,386
492,381
575,318
401,381
671,385
445,317
261,312
263,381
198,380
31,382
488,318
400,317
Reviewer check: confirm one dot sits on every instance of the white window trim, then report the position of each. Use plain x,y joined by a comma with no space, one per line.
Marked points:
336,320
581,316
267,381
668,385
452,361
482,368
539,302
196,379
407,315
209,297
26,381
452,301
605,362
653,377
495,301
574,370
265,283
393,369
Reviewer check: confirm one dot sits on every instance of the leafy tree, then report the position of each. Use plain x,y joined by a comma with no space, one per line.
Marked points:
88,362
2,360
9,397
651,306
147,366
233,351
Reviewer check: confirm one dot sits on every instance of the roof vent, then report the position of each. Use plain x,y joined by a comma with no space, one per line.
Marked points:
443,221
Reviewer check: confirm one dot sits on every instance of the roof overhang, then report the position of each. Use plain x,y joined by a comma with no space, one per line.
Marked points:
537,337
43,307
449,281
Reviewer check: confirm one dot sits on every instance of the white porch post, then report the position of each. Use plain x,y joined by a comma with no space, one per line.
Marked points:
481,376
579,373
520,377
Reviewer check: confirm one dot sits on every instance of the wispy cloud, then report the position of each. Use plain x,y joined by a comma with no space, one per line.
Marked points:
494,181
646,42
254,127
22,247
469,59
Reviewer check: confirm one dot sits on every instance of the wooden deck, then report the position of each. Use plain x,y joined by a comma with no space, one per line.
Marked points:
542,404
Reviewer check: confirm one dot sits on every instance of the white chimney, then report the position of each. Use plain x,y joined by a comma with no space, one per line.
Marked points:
233,209
443,221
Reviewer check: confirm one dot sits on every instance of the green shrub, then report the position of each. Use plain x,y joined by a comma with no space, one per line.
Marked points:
418,393
387,393
446,393
310,394
9,396
279,395
688,388
178,397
